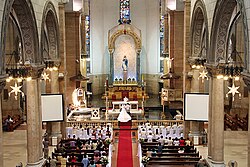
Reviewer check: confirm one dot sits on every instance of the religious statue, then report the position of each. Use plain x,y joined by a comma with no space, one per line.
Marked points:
125,63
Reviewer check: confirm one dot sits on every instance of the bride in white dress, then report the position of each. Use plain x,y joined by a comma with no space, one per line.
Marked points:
124,116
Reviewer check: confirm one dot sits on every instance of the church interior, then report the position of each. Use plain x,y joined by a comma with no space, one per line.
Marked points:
124,83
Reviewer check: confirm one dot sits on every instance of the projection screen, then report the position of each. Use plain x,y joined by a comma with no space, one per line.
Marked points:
196,106
52,107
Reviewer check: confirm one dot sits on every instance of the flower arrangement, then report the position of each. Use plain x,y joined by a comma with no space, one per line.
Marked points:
104,160
145,160
141,140
108,141
181,150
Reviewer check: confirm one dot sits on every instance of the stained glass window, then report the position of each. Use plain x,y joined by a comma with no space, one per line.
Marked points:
124,12
87,37
161,37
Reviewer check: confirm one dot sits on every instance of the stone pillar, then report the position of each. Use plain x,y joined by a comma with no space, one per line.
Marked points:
195,88
246,78
216,118
218,121
186,53
56,126
34,120
210,119
39,91
62,68
138,66
2,84
186,46
111,77
195,84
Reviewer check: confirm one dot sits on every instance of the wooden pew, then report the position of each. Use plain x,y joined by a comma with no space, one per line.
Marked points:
170,155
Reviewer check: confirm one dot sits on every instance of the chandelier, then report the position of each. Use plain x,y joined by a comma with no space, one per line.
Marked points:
198,62
16,69
231,69
51,65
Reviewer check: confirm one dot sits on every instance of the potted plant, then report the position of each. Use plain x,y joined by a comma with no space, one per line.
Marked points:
141,140
108,141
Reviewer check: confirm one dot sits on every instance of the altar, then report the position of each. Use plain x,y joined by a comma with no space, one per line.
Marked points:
134,108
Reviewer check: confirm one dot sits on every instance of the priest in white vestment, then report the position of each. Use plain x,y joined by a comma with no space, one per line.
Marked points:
124,116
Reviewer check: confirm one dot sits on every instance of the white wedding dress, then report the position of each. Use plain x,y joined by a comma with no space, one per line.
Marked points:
124,116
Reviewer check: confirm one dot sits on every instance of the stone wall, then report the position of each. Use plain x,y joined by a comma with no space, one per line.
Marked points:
152,83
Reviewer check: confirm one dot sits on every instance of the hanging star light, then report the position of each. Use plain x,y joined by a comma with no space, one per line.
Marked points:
233,90
16,90
203,75
45,76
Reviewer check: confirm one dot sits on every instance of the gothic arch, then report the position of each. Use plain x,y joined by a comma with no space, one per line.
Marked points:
199,29
131,33
25,17
220,25
49,33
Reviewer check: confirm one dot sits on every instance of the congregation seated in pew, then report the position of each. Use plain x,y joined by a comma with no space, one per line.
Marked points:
82,152
85,146
165,147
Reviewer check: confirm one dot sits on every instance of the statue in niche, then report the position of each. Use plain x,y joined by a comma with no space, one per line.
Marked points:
125,63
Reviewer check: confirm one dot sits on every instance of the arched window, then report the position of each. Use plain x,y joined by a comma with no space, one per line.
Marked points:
87,37
161,36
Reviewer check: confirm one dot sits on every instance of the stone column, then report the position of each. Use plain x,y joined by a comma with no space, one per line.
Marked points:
34,123
62,68
195,88
246,78
39,91
138,66
111,77
210,118
216,119
56,126
186,42
186,53
195,84
2,84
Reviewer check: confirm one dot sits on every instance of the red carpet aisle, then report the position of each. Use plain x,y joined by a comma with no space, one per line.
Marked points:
124,158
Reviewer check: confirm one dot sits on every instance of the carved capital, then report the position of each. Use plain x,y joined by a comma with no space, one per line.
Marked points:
246,79
213,70
36,71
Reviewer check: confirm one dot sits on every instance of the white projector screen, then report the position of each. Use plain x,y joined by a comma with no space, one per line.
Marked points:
196,106
52,107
